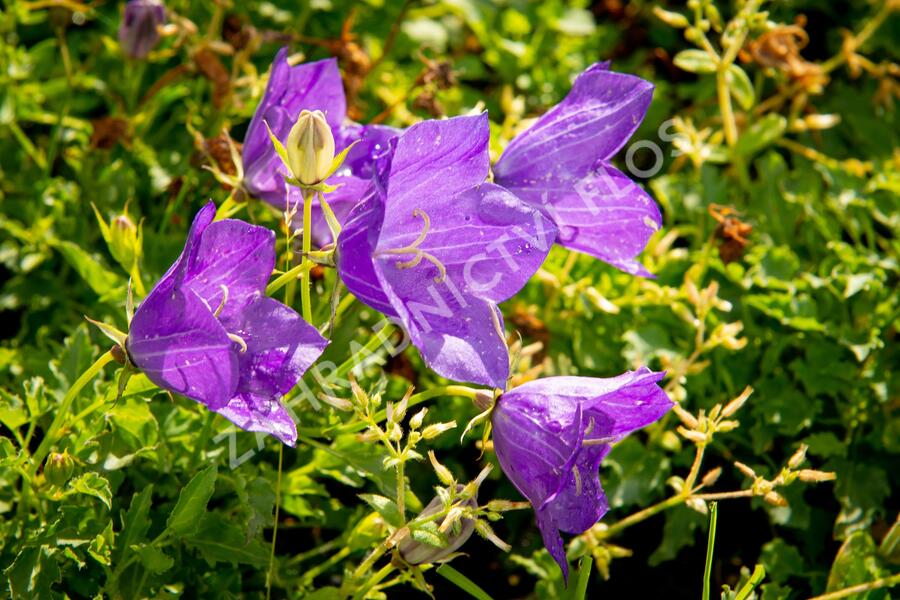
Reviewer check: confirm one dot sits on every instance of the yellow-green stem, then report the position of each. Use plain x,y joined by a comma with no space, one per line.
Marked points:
305,301
859,589
63,411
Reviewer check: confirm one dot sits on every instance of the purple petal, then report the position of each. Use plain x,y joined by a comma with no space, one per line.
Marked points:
460,336
258,413
604,214
178,343
233,258
553,542
280,348
432,162
355,249
311,86
595,119
138,32
489,242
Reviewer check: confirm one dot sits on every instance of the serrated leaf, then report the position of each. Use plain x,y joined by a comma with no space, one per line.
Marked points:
95,485
135,522
32,574
218,540
695,61
192,501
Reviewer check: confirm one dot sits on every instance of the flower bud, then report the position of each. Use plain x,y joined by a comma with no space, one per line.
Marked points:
138,33
417,553
310,148
123,240
59,468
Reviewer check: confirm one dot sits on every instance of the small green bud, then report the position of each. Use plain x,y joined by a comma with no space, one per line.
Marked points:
310,148
58,468
123,240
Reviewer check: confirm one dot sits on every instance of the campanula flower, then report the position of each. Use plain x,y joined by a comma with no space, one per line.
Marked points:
207,330
436,248
314,86
561,165
551,434
138,32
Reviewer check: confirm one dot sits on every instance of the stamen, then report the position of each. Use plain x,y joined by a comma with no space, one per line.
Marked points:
598,441
223,301
590,427
413,249
238,340
577,475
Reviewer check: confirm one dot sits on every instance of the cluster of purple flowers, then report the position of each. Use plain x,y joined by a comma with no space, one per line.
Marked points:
429,238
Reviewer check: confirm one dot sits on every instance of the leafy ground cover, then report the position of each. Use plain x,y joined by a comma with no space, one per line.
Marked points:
771,147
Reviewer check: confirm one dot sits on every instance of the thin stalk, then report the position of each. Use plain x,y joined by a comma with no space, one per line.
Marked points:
275,525
63,411
374,580
287,277
305,300
759,573
710,549
447,390
863,587
401,490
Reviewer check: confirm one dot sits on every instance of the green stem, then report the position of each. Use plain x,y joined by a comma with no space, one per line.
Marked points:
401,490
710,548
305,301
287,277
584,577
859,589
374,580
204,437
759,572
51,434
275,525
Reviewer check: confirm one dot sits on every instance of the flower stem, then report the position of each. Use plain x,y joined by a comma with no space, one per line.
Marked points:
710,548
275,525
863,587
287,277
305,301
50,437
447,390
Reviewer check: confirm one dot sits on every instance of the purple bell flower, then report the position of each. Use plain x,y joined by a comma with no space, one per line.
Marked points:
138,32
551,434
310,86
207,330
561,165
436,248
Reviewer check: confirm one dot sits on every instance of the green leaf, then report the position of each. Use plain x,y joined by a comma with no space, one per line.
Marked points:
192,501
95,485
741,87
153,559
462,582
760,135
219,540
100,278
32,574
855,563
135,522
695,61
101,546
385,507
890,545
781,560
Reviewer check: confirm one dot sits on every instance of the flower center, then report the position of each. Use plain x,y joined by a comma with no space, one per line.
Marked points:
414,250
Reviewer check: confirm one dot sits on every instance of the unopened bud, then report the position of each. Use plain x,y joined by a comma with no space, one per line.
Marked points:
694,436
745,470
672,19
432,431
483,400
123,240
505,505
811,476
417,553
726,426
686,417
736,404
698,505
799,456
443,472
711,477
487,533
139,30
310,147
821,121
416,420
59,468
775,499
